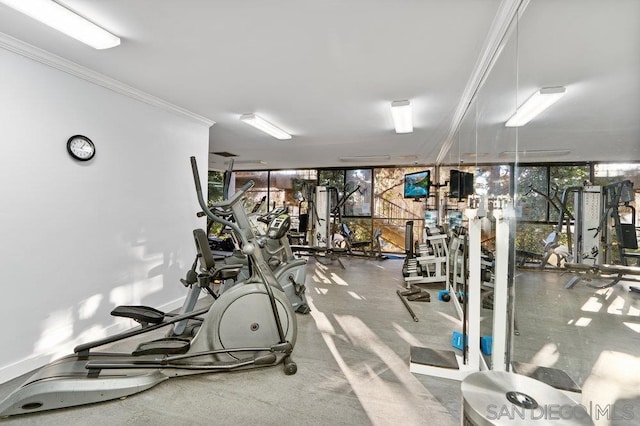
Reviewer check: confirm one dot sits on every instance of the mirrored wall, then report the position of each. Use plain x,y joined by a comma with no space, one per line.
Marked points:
583,326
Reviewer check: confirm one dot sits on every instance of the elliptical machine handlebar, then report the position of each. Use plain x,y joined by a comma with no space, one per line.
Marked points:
231,201
222,204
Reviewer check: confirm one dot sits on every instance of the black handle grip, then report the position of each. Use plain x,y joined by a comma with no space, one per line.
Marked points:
196,176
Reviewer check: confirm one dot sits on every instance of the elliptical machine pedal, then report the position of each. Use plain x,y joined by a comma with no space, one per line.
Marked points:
165,346
144,315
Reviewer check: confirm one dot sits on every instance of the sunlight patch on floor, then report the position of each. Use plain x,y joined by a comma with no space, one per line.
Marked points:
321,267
547,356
615,376
580,322
320,277
381,398
400,397
355,295
451,318
406,336
592,305
617,307
606,292
336,279
322,321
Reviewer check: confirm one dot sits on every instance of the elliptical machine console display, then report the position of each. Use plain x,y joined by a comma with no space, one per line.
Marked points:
279,227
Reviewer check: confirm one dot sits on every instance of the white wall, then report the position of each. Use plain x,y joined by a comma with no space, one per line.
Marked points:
77,239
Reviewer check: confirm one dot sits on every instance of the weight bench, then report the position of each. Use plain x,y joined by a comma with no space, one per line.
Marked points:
317,252
620,271
617,273
582,272
305,250
366,247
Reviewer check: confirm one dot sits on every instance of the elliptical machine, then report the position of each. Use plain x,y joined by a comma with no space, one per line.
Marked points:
250,325
270,232
290,271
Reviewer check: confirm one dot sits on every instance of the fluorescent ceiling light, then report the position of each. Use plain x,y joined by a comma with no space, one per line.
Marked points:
537,152
365,158
538,102
262,124
65,21
247,162
401,113
476,154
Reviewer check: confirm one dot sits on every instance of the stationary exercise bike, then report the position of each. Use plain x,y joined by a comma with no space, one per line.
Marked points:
250,325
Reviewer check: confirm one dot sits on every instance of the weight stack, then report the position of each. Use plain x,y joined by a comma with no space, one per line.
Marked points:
500,398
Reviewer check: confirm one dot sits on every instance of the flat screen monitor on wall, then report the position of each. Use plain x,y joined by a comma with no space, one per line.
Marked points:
460,184
416,185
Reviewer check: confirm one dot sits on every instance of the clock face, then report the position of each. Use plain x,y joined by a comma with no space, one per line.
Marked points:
81,148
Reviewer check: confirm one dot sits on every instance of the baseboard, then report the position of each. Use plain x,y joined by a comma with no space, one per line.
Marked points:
35,361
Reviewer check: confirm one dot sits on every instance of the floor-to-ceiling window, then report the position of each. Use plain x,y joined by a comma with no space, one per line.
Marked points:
391,210
256,198
375,196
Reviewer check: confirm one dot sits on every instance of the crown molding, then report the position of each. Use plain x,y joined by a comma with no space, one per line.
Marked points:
40,55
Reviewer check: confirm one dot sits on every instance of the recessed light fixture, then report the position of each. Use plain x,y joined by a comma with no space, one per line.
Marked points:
263,125
364,158
62,19
401,113
535,104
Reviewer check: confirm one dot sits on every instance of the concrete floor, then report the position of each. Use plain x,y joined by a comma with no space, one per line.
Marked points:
593,335
353,358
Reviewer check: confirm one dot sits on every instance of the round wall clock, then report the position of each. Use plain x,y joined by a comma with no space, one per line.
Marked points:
81,148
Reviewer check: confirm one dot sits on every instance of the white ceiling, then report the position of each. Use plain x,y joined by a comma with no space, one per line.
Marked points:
327,71
592,47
